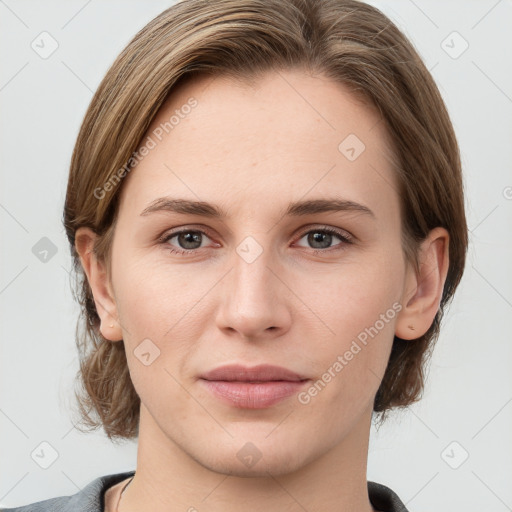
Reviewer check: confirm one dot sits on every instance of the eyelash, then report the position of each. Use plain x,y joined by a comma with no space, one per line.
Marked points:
342,235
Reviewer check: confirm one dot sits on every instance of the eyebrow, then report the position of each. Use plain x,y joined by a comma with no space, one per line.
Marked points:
295,209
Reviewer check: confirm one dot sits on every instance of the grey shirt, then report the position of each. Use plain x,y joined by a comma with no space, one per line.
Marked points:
91,498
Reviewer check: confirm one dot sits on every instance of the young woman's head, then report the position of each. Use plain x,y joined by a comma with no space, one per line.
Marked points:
262,182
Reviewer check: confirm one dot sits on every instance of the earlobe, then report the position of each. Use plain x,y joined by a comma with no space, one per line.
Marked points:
423,291
97,277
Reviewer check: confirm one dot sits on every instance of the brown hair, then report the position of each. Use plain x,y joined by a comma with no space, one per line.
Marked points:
348,41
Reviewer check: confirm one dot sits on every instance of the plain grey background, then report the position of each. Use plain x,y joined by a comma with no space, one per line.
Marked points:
451,451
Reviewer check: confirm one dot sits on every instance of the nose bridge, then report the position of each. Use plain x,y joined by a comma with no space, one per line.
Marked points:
252,278
252,300
251,272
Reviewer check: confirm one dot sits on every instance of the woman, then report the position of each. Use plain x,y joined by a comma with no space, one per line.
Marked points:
265,205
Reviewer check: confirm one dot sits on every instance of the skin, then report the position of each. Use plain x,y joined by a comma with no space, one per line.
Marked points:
289,307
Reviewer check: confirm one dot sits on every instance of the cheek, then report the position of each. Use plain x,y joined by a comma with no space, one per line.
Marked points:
153,295
160,311
335,302
350,297
355,314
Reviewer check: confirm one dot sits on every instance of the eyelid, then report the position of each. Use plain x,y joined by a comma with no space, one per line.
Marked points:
188,227
343,233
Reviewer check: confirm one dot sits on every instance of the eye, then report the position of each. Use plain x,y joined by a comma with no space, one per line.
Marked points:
189,240
322,237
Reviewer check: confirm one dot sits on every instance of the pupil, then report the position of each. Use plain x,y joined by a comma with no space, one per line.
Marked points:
317,237
189,238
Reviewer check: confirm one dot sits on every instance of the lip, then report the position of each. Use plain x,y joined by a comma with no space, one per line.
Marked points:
255,387
260,373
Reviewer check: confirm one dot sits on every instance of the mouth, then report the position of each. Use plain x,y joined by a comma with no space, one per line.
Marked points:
260,373
253,388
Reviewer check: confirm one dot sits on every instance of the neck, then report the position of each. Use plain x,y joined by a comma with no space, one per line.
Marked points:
169,479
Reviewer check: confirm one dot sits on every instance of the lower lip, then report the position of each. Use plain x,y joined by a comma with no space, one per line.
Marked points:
258,395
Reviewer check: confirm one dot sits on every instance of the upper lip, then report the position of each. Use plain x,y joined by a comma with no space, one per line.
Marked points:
260,373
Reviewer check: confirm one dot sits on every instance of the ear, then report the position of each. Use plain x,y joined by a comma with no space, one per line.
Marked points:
99,282
423,292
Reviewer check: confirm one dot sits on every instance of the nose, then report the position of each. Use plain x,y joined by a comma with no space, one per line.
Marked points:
254,298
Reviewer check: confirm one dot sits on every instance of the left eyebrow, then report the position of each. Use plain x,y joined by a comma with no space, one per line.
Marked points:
295,209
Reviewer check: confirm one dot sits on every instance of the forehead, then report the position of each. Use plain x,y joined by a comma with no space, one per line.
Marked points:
286,135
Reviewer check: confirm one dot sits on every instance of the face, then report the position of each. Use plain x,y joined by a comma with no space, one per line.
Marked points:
314,290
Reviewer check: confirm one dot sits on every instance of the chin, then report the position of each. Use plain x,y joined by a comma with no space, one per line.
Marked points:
255,458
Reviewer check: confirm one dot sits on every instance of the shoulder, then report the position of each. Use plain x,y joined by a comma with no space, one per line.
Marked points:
89,499
384,499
